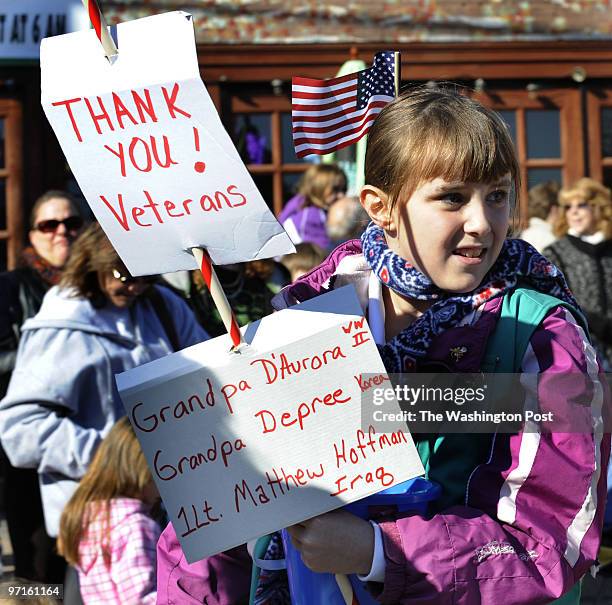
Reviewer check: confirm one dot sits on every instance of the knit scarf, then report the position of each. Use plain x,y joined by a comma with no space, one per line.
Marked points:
50,274
517,261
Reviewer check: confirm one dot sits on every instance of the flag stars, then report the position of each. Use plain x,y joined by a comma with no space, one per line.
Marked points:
378,80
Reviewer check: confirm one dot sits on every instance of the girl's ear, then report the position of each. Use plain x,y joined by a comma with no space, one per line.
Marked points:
376,203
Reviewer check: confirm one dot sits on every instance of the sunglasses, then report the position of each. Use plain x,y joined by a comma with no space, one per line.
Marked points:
128,279
72,223
579,205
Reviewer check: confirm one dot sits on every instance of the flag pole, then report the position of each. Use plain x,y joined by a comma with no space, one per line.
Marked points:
397,72
99,24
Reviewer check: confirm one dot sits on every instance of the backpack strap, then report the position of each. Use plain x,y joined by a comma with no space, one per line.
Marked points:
523,309
161,310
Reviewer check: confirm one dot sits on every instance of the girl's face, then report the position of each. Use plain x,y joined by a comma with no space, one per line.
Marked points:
580,216
453,232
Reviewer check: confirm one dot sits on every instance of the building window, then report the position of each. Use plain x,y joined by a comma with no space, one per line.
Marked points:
11,219
260,126
547,132
599,104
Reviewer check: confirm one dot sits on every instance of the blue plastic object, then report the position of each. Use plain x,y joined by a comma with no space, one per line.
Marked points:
310,588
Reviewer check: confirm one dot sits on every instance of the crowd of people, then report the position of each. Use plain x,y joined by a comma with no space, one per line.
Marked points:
426,237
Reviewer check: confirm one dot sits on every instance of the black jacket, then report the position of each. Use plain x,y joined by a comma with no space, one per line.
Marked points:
588,271
21,294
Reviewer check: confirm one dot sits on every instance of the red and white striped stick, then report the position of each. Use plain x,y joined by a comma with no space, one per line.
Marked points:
218,295
99,24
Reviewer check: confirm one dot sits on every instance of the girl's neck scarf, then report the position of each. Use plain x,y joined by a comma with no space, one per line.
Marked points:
517,261
48,273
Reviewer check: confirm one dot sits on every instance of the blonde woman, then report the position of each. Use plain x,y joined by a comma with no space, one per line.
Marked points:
584,254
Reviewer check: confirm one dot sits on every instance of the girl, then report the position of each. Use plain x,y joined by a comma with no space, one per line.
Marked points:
520,515
304,215
106,530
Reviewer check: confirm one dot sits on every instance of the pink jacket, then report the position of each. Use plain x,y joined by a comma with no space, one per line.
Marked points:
529,523
130,579
223,579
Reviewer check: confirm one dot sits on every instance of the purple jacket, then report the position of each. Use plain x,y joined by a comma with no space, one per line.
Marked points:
220,580
308,224
531,520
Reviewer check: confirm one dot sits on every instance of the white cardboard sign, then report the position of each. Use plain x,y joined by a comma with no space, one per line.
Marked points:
149,151
245,444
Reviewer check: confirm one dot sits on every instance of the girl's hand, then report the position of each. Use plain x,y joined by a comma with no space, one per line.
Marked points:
336,542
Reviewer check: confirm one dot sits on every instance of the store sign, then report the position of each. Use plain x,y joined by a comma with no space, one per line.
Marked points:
25,23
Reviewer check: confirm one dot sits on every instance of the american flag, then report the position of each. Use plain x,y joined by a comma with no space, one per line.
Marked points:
330,114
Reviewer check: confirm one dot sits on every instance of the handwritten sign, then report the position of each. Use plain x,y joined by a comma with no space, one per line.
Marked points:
148,149
243,445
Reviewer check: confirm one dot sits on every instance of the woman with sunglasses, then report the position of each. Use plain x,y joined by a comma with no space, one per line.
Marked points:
584,254
62,398
55,222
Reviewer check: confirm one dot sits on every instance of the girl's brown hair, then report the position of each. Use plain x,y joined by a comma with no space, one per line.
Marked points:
428,133
597,196
119,469
92,255
319,181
